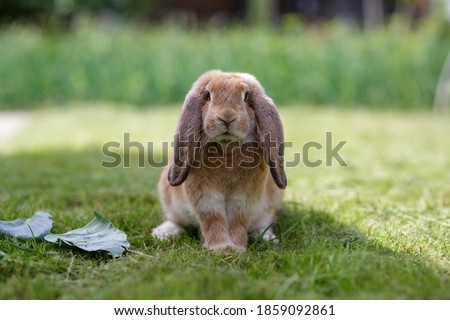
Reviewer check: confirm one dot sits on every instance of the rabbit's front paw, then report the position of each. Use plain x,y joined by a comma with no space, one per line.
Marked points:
166,230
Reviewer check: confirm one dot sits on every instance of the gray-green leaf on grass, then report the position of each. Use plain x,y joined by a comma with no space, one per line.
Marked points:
3,255
99,234
36,227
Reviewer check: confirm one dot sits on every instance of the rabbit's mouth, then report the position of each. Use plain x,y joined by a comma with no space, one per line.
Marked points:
226,137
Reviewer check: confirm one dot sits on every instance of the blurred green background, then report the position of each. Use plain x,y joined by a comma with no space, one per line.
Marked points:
381,54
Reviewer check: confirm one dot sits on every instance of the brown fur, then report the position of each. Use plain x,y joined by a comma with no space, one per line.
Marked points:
206,182
215,230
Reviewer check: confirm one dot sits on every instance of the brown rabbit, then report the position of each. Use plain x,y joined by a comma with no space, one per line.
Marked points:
229,137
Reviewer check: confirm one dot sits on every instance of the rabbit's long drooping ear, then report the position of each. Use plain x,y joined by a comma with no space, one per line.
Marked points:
187,139
271,136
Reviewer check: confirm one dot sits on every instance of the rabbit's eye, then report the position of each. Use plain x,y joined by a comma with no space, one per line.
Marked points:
208,96
246,96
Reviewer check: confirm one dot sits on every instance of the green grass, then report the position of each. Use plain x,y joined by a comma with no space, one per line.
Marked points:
377,229
333,65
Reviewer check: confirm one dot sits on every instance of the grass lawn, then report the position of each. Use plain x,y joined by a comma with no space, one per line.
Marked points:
376,229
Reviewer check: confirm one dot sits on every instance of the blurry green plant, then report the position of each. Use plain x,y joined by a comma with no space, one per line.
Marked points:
332,65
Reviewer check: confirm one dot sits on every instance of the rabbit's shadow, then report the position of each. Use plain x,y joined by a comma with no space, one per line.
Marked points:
306,226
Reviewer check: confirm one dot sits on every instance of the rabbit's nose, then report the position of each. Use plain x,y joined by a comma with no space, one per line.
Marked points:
227,120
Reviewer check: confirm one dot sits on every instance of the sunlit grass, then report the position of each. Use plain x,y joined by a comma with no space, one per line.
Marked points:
378,228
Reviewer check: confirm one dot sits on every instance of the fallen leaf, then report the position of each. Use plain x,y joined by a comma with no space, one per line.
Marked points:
99,234
3,255
36,227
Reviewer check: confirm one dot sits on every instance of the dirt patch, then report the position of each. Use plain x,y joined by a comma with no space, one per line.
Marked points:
11,123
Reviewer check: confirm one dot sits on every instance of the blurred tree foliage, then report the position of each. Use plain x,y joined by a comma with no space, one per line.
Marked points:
60,13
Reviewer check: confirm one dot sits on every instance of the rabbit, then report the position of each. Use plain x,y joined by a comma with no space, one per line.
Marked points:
227,172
